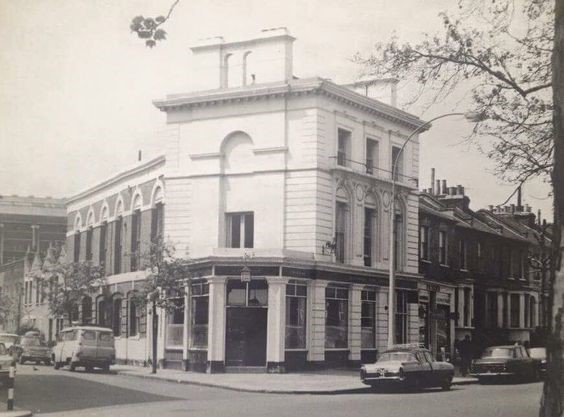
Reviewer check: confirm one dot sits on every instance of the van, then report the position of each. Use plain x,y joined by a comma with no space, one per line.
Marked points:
88,346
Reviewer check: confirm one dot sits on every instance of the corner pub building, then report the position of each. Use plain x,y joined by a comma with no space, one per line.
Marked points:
287,177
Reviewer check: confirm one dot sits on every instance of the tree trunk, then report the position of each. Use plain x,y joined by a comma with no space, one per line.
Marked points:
553,391
154,336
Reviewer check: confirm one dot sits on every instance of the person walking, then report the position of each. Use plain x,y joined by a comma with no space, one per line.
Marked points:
466,353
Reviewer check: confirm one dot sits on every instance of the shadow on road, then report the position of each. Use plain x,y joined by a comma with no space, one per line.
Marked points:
56,393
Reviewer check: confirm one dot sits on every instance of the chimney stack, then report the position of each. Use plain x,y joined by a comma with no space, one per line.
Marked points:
460,190
519,199
438,187
444,187
432,180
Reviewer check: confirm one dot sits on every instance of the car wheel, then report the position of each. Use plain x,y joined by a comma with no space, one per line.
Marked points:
56,365
47,362
89,368
72,367
38,362
447,383
106,367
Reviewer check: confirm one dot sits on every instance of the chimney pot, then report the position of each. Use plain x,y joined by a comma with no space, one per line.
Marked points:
444,186
432,181
460,189
512,208
491,207
438,187
452,190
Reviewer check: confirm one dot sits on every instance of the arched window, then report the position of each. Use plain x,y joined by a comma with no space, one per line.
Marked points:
86,310
342,237
74,313
133,317
101,312
116,316
370,230
399,235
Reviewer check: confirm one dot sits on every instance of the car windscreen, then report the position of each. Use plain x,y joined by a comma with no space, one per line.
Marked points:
31,341
397,356
8,339
106,338
537,353
498,353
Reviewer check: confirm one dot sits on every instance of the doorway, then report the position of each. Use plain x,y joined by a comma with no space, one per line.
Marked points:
246,324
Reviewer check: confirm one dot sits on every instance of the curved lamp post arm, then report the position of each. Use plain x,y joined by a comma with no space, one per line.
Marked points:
475,117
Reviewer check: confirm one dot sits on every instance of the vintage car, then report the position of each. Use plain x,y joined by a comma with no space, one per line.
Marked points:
87,346
538,354
411,366
504,362
8,339
5,363
31,347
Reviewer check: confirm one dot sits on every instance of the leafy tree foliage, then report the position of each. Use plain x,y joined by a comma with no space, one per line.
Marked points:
7,307
149,28
69,283
498,54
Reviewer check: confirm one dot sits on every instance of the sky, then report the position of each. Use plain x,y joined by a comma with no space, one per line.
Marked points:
76,86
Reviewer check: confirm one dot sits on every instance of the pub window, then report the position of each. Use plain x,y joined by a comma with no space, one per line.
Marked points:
492,309
133,317
117,244
424,242
368,235
200,315
103,243
368,319
343,147
336,317
101,312
401,317
504,310
340,231
296,307
76,256
240,230
397,160
157,222
515,310
466,306
175,323
248,294
116,316
135,239
371,155
442,247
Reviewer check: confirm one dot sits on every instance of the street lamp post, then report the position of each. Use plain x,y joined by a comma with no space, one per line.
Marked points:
473,117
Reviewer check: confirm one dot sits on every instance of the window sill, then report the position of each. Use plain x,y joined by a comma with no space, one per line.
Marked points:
197,349
444,265
369,349
463,270
426,261
336,349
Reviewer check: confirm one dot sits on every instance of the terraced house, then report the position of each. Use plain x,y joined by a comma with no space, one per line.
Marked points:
481,260
278,190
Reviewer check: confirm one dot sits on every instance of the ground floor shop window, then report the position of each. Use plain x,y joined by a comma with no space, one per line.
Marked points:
492,309
401,317
296,307
368,319
515,310
247,294
175,327
336,317
200,315
133,318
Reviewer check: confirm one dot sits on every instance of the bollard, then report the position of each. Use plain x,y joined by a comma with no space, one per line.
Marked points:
11,380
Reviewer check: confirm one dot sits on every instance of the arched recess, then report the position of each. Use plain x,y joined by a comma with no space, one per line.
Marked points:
137,201
133,314
117,308
157,194
90,217
104,212
236,153
77,222
119,206
372,242
400,227
248,70
343,222
101,311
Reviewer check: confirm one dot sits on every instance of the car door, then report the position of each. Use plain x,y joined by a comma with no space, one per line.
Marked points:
425,369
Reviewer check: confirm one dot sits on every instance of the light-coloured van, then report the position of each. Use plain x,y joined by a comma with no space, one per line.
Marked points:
88,346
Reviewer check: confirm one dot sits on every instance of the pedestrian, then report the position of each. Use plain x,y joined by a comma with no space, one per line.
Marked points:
466,353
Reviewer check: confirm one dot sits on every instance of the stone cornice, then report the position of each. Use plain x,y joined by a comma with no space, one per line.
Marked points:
152,163
293,88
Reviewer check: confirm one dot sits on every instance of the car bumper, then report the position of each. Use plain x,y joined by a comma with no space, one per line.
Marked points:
491,374
383,380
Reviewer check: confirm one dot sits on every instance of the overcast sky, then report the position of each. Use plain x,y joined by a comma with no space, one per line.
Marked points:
76,87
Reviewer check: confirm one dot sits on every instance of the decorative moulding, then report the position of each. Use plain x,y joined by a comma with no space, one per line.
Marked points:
211,155
276,149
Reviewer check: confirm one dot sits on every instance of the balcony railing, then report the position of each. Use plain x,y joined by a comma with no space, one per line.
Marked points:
368,168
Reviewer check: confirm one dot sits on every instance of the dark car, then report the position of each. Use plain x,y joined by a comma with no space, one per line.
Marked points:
504,362
410,366
538,354
31,348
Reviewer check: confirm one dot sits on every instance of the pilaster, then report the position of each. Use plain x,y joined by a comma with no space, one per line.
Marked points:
187,328
521,311
499,310
355,310
316,353
216,325
276,332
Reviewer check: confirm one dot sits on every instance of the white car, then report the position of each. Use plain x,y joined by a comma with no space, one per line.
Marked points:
5,363
8,339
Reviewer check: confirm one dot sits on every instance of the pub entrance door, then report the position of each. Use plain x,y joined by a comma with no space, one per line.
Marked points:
246,325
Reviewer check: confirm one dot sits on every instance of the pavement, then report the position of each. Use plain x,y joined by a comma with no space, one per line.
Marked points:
15,413
318,382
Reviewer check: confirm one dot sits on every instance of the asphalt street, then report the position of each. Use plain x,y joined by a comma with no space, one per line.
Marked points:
63,393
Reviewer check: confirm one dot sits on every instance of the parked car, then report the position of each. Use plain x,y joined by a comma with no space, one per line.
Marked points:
5,363
538,355
88,346
8,339
499,362
410,366
31,347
